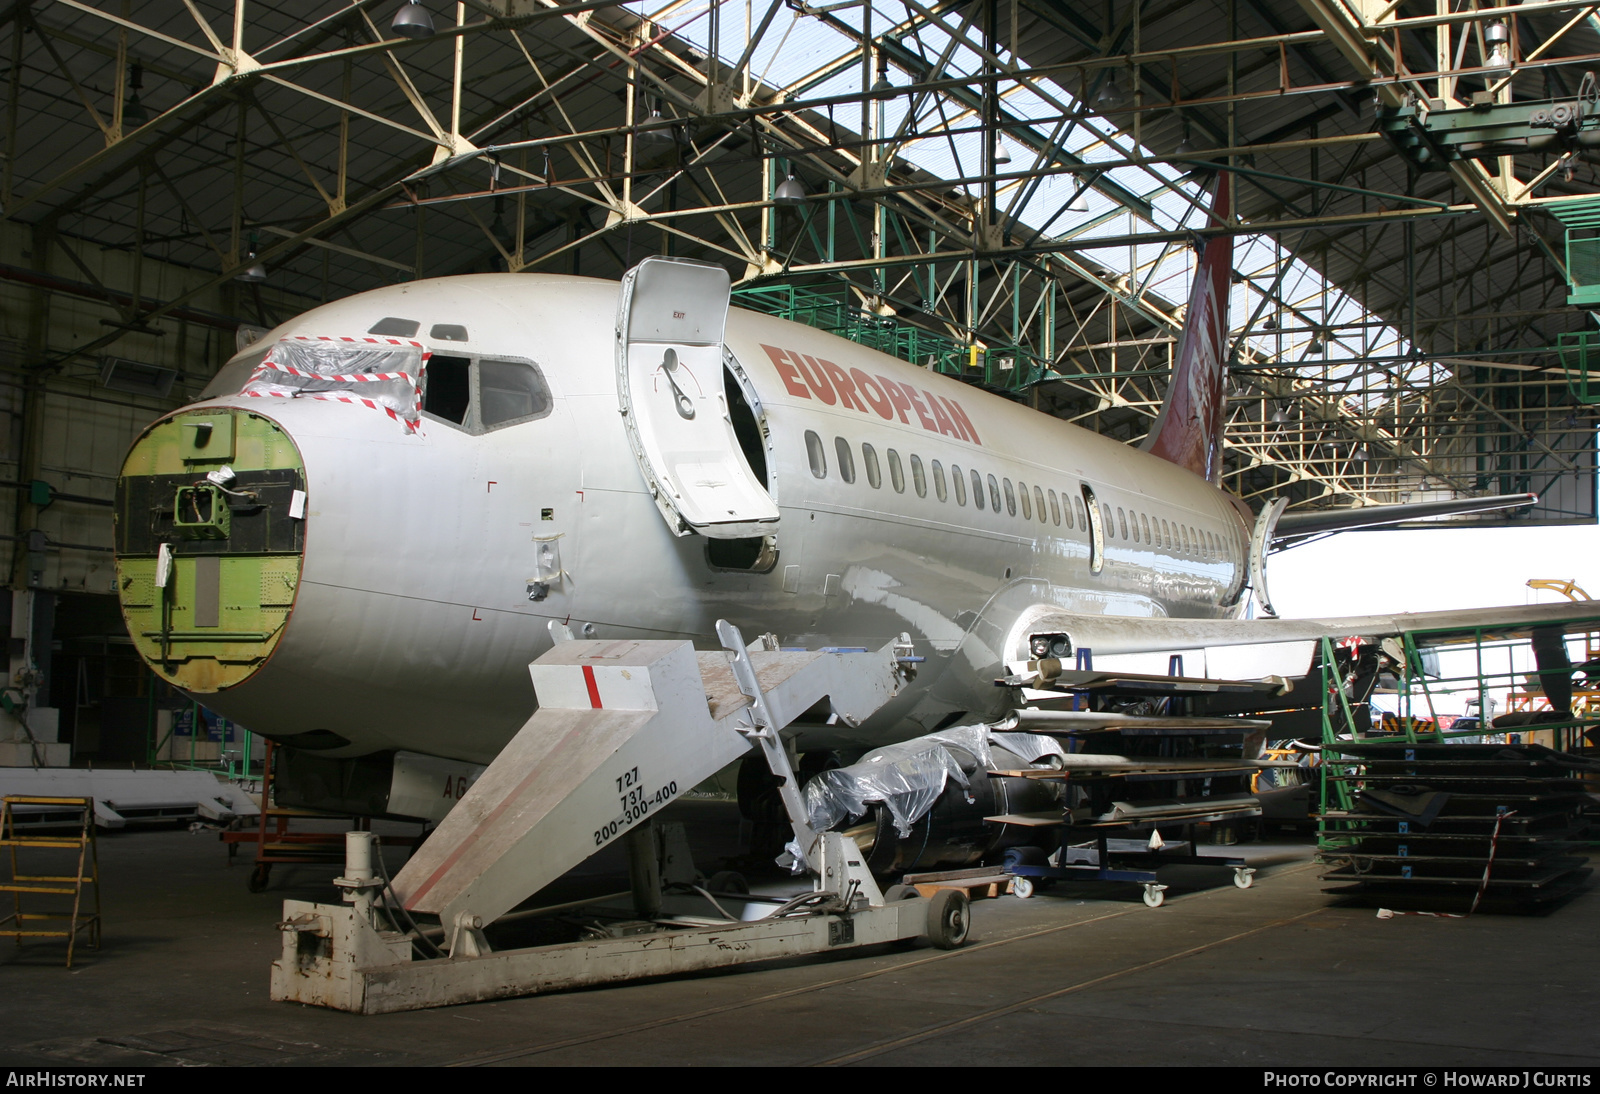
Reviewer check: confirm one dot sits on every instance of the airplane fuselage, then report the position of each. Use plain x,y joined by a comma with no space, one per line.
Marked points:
412,623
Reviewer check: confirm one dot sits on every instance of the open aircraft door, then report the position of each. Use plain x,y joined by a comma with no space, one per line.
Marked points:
670,321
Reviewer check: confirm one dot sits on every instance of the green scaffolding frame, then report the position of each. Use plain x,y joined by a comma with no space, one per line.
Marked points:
829,308
1417,691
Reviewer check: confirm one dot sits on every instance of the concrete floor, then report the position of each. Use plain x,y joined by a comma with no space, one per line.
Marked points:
1277,974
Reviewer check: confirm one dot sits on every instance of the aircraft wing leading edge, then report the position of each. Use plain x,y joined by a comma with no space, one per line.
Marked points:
1249,648
1322,521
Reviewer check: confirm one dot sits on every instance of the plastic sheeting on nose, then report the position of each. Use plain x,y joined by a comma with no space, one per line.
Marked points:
383,373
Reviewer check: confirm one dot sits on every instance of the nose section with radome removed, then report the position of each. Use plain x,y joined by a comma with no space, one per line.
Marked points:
210,535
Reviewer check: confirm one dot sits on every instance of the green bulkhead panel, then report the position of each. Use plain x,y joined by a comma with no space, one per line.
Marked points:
207,574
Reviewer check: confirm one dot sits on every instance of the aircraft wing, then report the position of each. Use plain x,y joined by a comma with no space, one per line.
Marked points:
1252,648
1322,521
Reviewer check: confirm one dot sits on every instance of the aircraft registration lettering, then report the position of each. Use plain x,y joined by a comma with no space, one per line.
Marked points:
807,377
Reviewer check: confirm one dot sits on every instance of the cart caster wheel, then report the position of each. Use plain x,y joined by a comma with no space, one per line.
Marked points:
949,919
1022,887
901,892
729,881
1244,877
257,881
1155,895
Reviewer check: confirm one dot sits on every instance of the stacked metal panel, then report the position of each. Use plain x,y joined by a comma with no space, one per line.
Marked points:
1456,828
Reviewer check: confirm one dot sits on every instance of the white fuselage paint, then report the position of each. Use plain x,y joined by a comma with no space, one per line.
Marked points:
412,628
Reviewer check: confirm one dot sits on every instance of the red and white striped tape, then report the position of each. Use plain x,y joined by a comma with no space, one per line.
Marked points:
412,424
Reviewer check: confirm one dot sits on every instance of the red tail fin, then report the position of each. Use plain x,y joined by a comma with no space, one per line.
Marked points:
1188,431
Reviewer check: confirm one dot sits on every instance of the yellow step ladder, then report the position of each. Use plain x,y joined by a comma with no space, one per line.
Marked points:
18,924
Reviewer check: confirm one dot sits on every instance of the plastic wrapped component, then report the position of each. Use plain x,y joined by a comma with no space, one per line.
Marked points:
380,373
1033,747
907,778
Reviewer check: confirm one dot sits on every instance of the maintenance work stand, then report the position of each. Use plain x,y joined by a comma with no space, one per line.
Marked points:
1126,775
622,729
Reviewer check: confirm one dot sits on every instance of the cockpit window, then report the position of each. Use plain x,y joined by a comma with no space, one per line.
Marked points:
448,332
483,393
446,390
509,390
395,327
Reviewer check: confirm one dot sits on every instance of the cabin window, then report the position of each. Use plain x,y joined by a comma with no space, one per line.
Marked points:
1083,518
959,482
395,327
1025,501
447,388
847,459
869,457
1144,522
919,478
1122,523
897,476
1111,529
448,332
977,491
1165,537
994,496
1055,510
509,391
1011,497
1038,503
816,455
1183,531
938,479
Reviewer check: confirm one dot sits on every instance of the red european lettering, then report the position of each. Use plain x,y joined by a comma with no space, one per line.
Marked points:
786,372
896,396
961,420
940,418
922,411
843,385
816,377
873,393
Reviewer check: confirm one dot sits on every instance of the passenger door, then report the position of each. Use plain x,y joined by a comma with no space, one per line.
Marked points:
670,323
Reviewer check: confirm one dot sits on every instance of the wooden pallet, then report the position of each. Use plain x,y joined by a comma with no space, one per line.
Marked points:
978,883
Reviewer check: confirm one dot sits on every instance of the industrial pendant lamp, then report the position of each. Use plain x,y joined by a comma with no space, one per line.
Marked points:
1109,97
1079,203
1185,145
255,271
1002,153
412,21
1497,36
133,112
789,192
656,136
